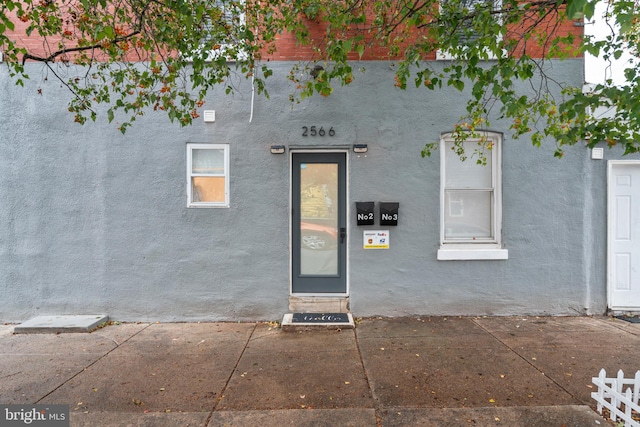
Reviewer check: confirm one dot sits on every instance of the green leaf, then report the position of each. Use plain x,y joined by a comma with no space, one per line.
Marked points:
589,9
575,8
347,45
458,84
626,21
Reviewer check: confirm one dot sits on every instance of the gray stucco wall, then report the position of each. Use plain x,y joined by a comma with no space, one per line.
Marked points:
92,221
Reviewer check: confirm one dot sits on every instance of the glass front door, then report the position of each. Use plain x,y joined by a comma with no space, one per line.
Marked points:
319,229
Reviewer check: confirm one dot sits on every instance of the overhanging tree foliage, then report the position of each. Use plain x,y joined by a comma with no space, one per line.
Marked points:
132,55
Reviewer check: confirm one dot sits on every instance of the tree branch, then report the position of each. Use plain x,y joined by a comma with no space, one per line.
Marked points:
64,51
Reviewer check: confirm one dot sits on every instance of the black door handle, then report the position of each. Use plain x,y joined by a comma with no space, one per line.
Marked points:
343,234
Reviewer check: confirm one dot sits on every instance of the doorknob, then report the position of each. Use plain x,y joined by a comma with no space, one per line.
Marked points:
343,234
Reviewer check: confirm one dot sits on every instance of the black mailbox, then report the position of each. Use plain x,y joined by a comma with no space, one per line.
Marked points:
389,213
364,210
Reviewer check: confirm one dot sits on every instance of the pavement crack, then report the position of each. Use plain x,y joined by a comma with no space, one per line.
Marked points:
90,365
526,360
621,326
235,368
372,394
10,375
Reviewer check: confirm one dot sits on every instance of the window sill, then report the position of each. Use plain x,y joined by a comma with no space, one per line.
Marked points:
443,55
206,206
215,54
472,254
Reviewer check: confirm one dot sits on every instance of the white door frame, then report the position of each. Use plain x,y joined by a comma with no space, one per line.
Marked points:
611,164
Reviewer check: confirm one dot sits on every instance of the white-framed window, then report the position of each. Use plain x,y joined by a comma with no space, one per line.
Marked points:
207,175
468,7
229,19
471,199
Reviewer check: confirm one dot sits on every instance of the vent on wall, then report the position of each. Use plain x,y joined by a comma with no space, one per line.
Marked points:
597,153
209,116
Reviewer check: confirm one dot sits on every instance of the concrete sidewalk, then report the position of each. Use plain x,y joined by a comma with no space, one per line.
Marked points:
438,371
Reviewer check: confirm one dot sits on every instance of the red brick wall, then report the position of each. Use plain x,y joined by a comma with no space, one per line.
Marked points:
287,48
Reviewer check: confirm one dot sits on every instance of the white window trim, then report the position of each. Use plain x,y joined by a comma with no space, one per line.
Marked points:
190,174
443,55
214,54
472,254
474,250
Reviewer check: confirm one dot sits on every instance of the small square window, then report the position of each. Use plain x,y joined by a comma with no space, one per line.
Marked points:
208,175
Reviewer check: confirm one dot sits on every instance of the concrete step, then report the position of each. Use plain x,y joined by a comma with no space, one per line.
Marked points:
61,324
317,321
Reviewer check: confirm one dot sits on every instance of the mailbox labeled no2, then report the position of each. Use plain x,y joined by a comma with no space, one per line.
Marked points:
389,213
364,212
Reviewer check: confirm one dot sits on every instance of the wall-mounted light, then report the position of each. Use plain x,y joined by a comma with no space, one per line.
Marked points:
360,148
316,71
278,149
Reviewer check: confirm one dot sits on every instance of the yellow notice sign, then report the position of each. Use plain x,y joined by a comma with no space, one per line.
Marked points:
375,239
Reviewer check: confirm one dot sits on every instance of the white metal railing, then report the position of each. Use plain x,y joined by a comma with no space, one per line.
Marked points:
620,396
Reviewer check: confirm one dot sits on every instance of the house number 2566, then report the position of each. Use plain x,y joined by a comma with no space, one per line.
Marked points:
317,131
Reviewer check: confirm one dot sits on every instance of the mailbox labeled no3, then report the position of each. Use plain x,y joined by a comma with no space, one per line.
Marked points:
389,213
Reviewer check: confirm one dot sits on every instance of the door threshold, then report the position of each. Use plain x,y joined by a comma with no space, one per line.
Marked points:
318,304
293,322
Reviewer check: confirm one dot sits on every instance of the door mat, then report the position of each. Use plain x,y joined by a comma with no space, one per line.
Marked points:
297,322
320,318
631,319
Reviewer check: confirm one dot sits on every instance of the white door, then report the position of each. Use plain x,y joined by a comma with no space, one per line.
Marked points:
624,235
